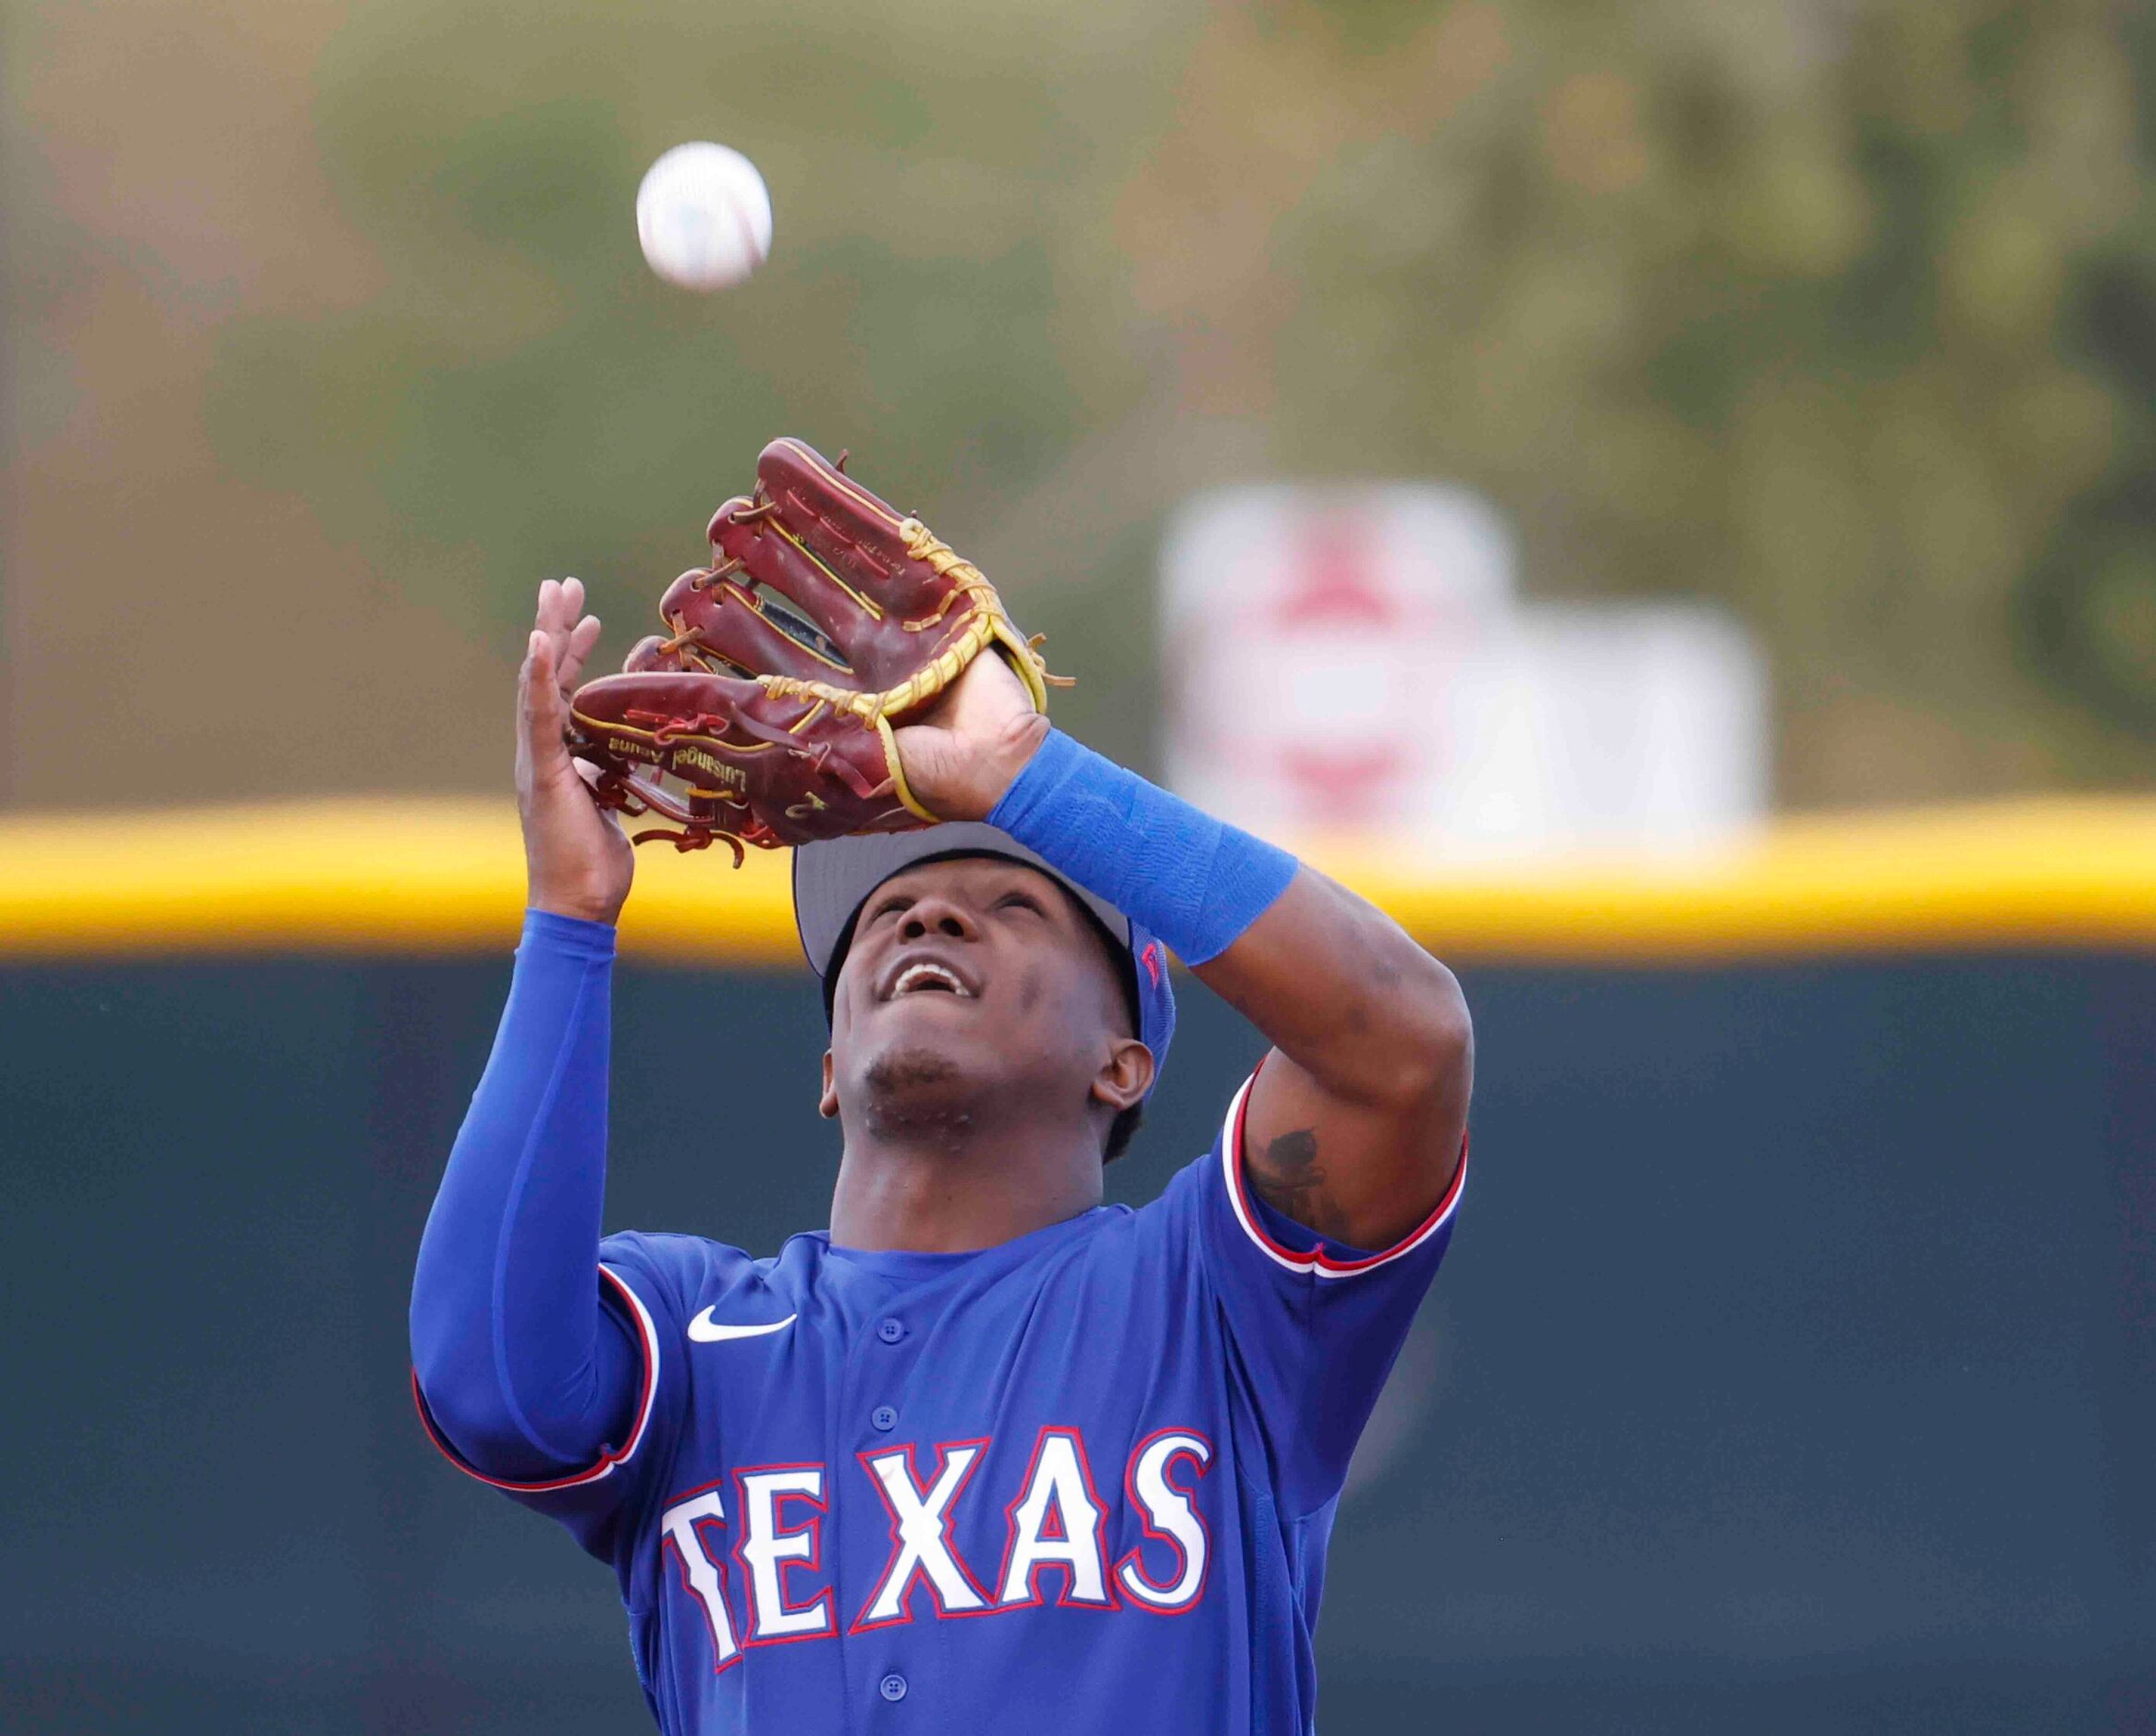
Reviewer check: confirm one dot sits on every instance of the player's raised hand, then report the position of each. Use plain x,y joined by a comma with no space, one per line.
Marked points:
577,860
965,752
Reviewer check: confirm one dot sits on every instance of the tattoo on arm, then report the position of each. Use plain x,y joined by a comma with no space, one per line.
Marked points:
1289,1178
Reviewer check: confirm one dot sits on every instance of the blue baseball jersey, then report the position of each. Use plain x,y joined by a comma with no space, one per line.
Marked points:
1084,1479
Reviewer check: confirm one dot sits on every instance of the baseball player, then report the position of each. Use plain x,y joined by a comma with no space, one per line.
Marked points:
985,1453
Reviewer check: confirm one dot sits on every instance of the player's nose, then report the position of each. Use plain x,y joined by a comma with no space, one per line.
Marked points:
937,913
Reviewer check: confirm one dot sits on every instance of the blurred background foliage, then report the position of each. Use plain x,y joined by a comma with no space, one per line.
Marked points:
1843,314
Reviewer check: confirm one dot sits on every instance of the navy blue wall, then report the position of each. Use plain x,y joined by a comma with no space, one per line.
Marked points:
1794,1367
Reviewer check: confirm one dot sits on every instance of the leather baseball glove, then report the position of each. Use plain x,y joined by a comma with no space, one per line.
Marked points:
765,715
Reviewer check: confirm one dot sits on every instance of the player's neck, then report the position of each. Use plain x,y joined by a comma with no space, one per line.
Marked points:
947,1195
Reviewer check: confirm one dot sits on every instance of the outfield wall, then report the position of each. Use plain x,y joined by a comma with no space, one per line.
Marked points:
1794,1367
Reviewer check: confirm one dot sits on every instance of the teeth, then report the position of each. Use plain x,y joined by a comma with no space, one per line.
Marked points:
926,973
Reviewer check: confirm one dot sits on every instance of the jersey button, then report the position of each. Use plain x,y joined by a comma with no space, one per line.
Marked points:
892,1687
890,1330
886,1419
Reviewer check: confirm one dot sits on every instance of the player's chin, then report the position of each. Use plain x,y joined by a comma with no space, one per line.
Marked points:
910,1067
916,1085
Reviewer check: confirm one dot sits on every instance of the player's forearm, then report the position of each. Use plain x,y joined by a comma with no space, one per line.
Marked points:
1342,991
520,1365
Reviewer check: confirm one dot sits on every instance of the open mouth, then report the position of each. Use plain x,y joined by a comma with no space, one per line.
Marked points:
929,978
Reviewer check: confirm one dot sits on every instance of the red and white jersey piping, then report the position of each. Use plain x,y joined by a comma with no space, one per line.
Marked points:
607,1463
1317,1260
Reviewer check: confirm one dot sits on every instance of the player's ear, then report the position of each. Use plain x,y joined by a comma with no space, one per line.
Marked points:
828,1104
1126,1076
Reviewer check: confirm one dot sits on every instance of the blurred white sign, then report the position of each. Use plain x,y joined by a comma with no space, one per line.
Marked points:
1352,659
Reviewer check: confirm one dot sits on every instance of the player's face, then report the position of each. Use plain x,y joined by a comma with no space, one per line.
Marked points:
972,985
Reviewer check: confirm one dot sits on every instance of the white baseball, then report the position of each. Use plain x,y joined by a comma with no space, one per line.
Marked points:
703,217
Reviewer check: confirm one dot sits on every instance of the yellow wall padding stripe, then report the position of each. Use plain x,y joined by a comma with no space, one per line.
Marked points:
433,876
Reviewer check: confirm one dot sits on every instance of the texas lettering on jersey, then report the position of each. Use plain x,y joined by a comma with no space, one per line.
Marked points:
749,1548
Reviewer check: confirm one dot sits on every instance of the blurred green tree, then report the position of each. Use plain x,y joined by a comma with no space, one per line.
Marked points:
1843,316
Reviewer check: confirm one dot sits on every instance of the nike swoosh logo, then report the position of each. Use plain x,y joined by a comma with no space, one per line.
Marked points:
706,1330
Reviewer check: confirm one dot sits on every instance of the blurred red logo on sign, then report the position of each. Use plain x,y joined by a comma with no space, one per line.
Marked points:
1337,586
1312,636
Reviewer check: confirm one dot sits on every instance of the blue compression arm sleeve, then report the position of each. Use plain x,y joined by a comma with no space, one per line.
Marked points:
522,1368
1193,880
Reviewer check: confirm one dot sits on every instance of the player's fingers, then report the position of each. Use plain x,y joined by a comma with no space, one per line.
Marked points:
581,638
546,617
567,603
539,696
533,640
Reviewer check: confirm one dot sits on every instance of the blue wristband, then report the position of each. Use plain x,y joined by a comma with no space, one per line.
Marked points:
1193,880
